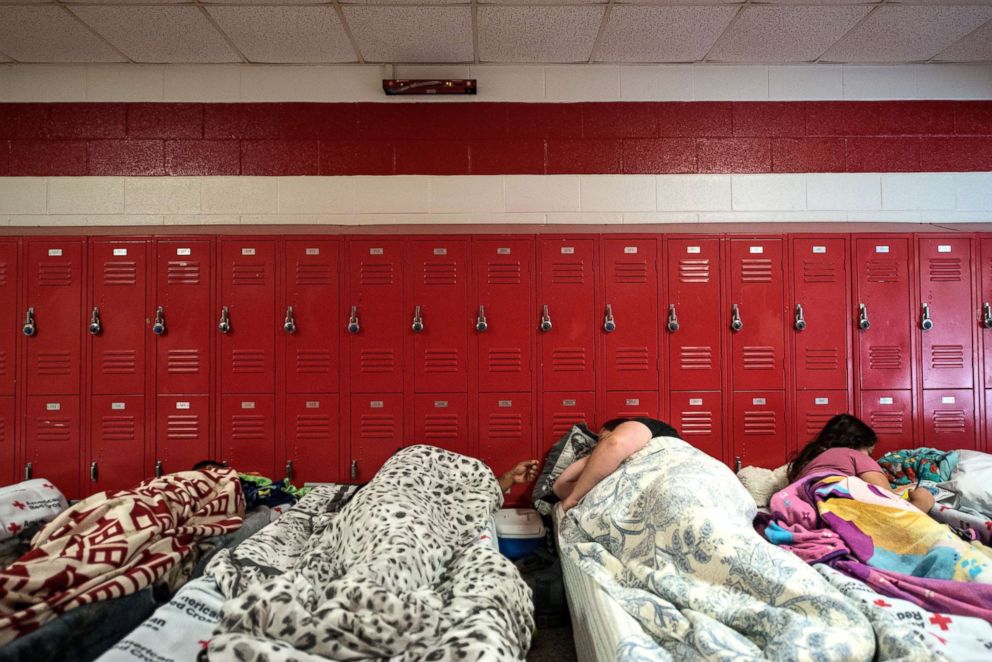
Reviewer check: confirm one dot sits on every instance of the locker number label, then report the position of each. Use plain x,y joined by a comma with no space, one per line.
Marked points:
54,252
313,251
505,403
53,406
376,404
821,401
440,404
568,403
692,250
503,251
881,249
120,252
440,251
947,400
182,405
247,405
944,248
184,251
757,401
633,402
695,402
568,250
885,401
756,250
630,250
118,406
819,249
247,251
313,404
376,251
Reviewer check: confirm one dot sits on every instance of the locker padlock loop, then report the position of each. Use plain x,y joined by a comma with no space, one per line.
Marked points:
987,315
673,320
225,320
863,323
95,326
418,321
29,328
609,323
94,472
481,325
289,470
289,326
28,471
545,319
736,323
158,468
158,328
925,322
800,322
354,469
737,463
353,326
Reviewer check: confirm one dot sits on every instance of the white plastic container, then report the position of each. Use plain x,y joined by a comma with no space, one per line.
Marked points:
520,531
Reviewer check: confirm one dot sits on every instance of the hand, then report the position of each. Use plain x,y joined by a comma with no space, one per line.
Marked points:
524,472
568,503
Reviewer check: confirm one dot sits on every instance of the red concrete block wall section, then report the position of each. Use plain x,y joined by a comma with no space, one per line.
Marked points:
142,139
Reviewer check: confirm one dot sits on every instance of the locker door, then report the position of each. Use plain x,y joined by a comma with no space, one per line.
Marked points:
756,288
118,308
441,420
506,436
562,411
945,290
376,433
986,312
183,289
759,429
568,290
312,293
117,442
631,404
54,292
694,306
312,438
247,433
247,295
890,414
821,282
7,471
883,288
949,419
9,320
504,271
631,279
698,417
375,285
51,448
440,290
815,408
182,432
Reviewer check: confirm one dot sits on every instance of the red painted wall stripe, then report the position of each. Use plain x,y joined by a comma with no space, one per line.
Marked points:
137,139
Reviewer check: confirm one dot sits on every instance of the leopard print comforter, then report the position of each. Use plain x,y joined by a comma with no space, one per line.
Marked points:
398,574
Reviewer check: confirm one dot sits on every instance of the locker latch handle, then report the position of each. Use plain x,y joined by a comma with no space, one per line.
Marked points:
158,468
354,469
418,321
29,326
158,328
736,323
353,326
800,322
94,472
28,471
737,463
863,322
673,320
290,324
95,326
480,320
225,320
545,319
609,323
987,315
289,470
925,322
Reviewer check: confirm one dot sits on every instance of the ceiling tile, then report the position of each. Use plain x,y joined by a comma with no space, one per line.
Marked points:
818,2
681,2
4,58
974,47
662,34
764,34
940,2
548,2
906,33
50,34
402,2
248,2
285,34
26,2
159,34
538,34
412,34
122,2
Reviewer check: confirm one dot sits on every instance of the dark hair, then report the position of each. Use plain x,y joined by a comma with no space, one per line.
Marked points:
207,464
614,423
841,431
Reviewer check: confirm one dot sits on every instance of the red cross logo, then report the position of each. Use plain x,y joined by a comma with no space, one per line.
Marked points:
14,527
940,621
20,505
882,603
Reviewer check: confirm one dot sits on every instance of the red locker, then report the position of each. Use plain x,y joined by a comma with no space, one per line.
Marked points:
310,323
949,419
117,315
985,314
247,321
884,317
504,276
630,315
51,449
182,432
53,319
698,417
440,419
890,414
376,433
814,409
312,438
182,320
567,317
759,429
117,442
820,312
439,319
7,439
506,436
248,432
562,411
947,313
378,323
756,314
693,319
9,320
988,418
631,404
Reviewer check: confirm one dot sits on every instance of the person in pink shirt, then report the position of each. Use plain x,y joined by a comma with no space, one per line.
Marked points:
843,447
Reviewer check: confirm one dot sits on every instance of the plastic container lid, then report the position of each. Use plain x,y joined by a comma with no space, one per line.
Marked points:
519,523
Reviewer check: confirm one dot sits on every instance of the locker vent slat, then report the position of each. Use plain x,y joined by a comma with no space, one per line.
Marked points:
54,363
248,428
633,413
183,361
118,362
568,359
377,426
441,360
815,423
505,360
568,273
252,273
3,430
182,426
630,272
885,357
247,360
695,423
182,273
882,271
440,273
441,426
314,273
376,273
821,358
947,356
55,274
562,423
632,359
887,422
120,273
819,271
756,270
949,421
3,362
117,428
945,269
377,361
313,428
3,274
759,358
760,422
313,361
54,429
695,358
503,273
505,426
694,271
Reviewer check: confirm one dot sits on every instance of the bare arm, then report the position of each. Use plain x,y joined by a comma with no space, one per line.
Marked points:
624,441
524,472
919,497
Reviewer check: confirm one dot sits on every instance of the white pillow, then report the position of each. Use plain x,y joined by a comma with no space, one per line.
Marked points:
971,480
762,483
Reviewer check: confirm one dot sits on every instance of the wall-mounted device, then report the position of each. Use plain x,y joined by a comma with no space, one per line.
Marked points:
398,86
